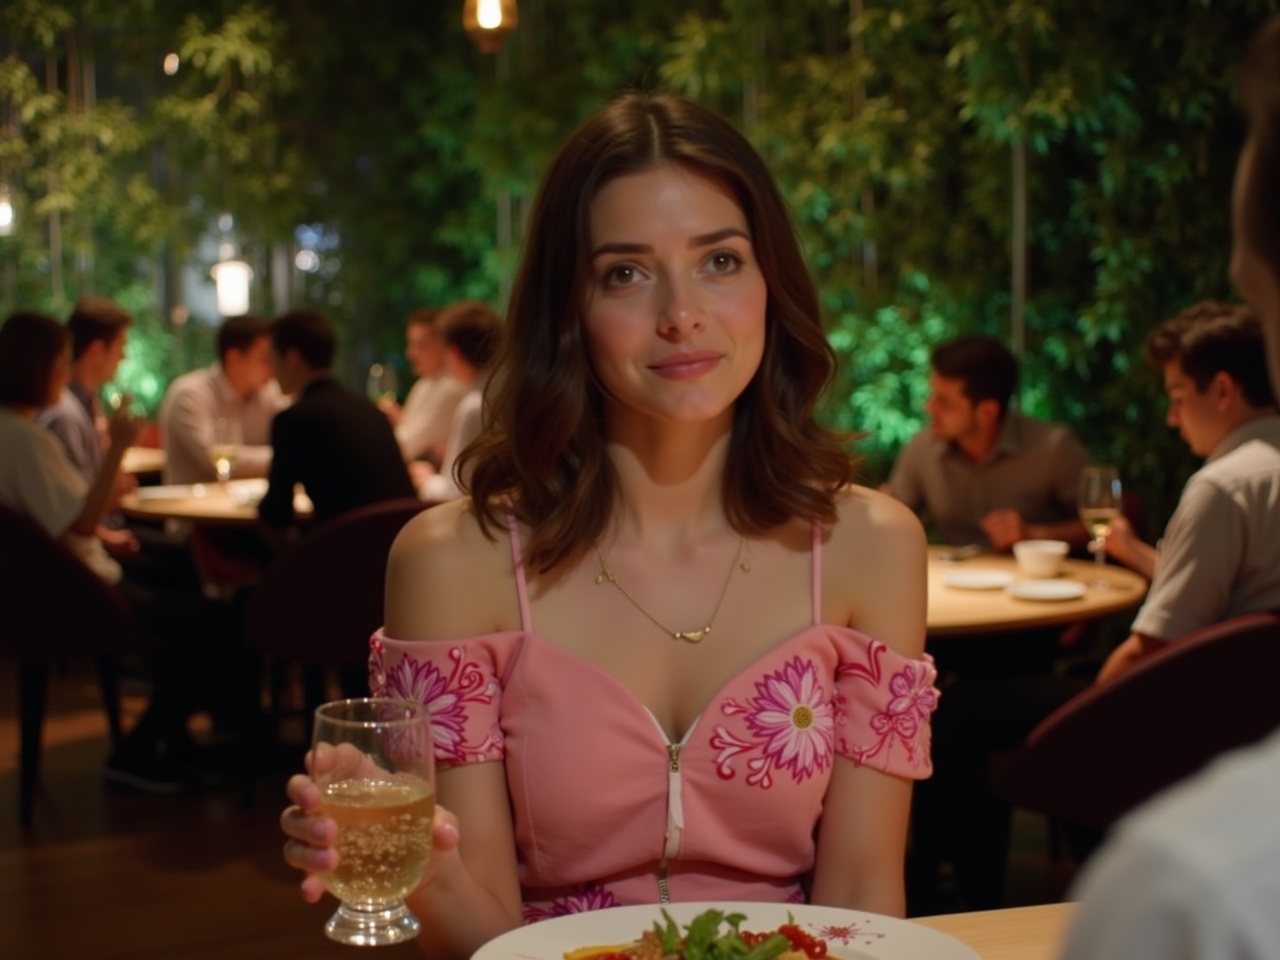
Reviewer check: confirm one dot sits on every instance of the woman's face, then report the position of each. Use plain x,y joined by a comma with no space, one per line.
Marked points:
675,316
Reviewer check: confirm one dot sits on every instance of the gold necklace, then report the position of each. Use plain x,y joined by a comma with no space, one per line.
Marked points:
688,636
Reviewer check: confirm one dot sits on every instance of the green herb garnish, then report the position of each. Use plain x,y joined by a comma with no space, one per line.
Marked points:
703,939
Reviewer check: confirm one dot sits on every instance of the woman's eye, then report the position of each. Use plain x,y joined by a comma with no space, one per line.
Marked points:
620,275
724,261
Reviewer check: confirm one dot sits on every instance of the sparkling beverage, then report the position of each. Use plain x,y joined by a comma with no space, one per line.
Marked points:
1099,520
223,458
384,837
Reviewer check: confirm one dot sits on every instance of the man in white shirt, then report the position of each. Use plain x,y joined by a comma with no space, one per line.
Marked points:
1192,874
1220,555
99,329
240,387
470,331
422,424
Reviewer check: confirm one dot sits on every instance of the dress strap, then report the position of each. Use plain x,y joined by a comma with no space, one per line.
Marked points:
517,564
815,555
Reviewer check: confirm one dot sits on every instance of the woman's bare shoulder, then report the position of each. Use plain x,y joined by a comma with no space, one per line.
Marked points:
866,514
876,568
446,577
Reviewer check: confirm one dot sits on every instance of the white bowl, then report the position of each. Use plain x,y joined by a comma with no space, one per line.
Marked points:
1040,558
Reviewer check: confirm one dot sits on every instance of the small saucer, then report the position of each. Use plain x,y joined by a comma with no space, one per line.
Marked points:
977,579
1046,589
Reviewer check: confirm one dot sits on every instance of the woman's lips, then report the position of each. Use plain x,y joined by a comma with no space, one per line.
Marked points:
686,366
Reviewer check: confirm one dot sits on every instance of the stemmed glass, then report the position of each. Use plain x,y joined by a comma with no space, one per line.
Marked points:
116,398
1099,503
226,443
378,785
381,384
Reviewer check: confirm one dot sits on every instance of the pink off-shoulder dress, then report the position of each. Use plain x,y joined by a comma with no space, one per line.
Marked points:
608,812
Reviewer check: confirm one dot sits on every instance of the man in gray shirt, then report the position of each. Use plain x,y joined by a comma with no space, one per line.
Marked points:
1220,555
980,472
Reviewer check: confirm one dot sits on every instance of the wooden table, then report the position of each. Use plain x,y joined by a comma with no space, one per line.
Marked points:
954,611
1018,933
143,460
236,504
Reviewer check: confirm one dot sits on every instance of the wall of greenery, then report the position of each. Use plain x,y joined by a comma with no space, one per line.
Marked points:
894,126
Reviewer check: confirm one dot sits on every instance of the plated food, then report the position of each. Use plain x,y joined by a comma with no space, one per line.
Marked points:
847,934
711,935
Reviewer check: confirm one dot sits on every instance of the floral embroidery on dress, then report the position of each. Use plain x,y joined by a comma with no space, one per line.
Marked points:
904,719
447,697
793,720
585,897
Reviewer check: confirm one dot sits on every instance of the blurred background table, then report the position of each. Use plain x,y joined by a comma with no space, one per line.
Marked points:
143,461
234,504
956,611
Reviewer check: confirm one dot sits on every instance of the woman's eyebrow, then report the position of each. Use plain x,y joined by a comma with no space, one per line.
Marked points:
701,240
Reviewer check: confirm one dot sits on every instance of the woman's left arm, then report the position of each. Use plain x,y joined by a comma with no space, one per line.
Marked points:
875,570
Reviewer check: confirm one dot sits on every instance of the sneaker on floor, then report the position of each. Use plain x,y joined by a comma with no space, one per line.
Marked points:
145,773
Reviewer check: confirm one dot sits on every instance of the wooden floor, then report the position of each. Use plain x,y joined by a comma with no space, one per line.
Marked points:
105,873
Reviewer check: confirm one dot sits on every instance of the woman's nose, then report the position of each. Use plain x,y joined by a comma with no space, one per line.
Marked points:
680,309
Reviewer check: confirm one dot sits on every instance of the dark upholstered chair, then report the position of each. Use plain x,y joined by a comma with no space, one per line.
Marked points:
53,608
1118,743
319,603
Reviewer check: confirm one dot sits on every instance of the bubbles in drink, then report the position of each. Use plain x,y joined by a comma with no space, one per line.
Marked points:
384,837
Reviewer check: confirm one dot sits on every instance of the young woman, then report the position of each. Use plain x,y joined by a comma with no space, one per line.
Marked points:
36,478
671,652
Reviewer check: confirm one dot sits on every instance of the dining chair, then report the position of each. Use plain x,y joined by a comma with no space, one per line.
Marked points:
1116,744
318,605
53,608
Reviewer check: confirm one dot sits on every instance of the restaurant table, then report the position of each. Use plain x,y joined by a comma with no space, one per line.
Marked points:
1016,933
956,611
143,460
232,504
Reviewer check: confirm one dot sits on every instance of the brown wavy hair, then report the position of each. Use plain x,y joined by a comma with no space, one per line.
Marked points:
1260,98
543,446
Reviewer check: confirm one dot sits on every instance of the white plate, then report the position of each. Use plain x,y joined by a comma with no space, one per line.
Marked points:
1046,589
850,934
247,493
977,579
172,491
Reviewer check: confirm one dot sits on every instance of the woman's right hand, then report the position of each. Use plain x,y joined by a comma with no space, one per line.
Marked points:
310,847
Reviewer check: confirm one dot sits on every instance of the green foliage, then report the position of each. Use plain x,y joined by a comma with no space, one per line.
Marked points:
892,126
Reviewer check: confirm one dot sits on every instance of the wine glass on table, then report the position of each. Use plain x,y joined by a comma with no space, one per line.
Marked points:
226,444
373,762
1100,503
381,385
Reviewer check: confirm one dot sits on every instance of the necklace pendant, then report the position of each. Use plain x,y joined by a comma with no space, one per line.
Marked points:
691,636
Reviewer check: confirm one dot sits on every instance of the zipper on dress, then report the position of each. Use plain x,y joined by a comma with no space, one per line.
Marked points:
675,818
675,813
664,892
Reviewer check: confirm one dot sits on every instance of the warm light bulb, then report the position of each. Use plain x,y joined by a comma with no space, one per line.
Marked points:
231,281
489,14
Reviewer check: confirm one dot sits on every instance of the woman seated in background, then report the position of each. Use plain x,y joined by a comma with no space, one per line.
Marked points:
38,480
671,652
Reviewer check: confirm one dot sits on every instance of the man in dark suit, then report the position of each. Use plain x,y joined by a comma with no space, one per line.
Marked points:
333,441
